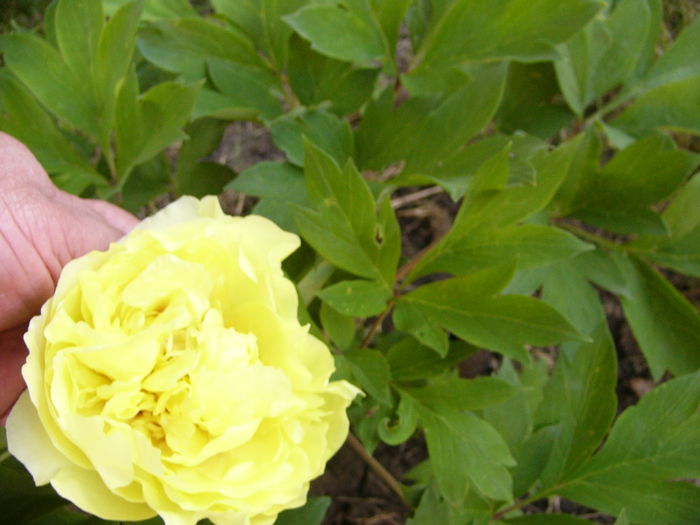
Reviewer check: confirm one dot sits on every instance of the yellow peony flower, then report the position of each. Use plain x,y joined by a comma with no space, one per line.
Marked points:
170,375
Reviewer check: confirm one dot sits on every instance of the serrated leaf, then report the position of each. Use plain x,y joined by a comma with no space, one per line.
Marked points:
651,443
184,45
279,185
482,30
665,324
358,298
342,225
323,129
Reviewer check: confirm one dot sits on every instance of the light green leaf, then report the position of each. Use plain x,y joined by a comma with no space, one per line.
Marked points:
672,106
339,327
184,46
41,68
682,215
322,128
414,320
682,255
356,298
400,431
155,9
23,118
346,34
246,87
622,518
78,25
279,185
651,443
480,30
311,513
664,323
342,224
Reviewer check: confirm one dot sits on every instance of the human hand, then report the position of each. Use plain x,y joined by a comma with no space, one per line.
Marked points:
41,229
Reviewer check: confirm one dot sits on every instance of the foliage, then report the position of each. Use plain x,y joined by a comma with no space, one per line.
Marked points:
571,143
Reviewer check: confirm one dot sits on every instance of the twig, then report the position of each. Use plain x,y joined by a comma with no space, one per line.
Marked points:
402,201
376,324
377,468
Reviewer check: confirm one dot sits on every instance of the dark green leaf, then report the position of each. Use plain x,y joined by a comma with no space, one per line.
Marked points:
463,394
311,513
410,360
371,369
665,324
339,327
547,519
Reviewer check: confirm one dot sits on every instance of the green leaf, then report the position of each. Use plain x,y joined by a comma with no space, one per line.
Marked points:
148,124
342,224
78,25
372,370
184,46
246,87
395,433
547,519
348,33
651,443
410,361
566,288
279,186
434,509
450,393
682,255
148,180
480,30
155,9
464,450
532,102
312,513
356,298
622,518
41,68
23,118
322,128
670,106
468,307
529,246
604,54
416,321
581,400
424,129
204,136
339,327
665,324
316,79
682,216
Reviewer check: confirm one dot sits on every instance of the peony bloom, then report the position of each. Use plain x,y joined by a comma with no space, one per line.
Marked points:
170,375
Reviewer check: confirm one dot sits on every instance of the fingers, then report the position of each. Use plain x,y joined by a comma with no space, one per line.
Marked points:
13,352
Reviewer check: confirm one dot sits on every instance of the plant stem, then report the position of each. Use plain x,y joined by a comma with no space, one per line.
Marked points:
377,324
377,468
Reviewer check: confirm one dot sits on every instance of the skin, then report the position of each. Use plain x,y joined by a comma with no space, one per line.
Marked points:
41,229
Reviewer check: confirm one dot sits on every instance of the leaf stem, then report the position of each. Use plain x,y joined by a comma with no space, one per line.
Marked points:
377,468
376,324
